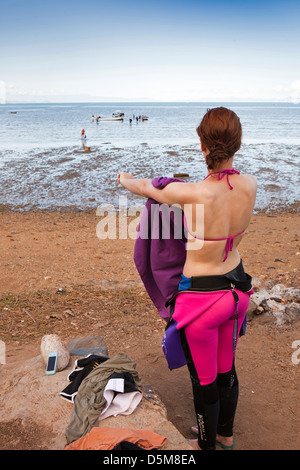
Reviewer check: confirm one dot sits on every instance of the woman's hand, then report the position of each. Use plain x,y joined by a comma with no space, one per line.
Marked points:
122,176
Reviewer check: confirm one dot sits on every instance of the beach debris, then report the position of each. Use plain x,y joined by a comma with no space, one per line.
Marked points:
58,316
181,175
69,312
29,314
278,300
53,343
61,291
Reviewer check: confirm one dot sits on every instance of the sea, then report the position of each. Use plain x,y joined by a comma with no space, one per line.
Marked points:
45,164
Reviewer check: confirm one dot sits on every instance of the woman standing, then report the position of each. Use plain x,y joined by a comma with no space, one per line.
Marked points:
213,295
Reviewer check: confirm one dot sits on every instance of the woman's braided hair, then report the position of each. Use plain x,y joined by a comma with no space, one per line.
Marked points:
221,132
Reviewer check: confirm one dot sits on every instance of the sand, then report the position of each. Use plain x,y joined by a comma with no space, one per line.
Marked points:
56,276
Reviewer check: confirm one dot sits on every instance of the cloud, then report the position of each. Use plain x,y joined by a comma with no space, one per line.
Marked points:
290,93
164,90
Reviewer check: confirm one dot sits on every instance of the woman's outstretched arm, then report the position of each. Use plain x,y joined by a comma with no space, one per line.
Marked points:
173,193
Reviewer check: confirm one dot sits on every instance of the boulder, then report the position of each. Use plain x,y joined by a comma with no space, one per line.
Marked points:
87,345
53,343
32,398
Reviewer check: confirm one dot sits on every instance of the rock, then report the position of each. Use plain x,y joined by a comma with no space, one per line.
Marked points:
292,311
53,343
278,300
251,310
87,345
276,309
257,284
288,293
33,397
260,296
278,290
292,294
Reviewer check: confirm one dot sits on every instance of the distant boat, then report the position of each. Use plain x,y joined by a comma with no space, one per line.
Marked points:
13,112
117,114
112,119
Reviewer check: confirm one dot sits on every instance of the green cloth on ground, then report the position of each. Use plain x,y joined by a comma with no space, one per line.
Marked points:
89,401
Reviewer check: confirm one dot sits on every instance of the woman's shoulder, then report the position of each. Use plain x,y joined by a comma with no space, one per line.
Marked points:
250,179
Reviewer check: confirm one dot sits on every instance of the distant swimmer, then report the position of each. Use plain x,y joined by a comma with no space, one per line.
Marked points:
93,117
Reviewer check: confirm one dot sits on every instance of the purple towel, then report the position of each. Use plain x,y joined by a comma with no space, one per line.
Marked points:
160,260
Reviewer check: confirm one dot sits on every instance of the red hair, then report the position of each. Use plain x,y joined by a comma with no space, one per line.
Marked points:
221,133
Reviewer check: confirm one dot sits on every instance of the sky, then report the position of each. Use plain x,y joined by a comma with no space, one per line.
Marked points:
191,50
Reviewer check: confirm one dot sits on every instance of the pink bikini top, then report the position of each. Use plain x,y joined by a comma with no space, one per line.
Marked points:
229,243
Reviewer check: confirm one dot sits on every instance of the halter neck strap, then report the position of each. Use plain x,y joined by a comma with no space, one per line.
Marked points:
222,173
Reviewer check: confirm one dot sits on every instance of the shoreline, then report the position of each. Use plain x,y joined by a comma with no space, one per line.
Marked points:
279,209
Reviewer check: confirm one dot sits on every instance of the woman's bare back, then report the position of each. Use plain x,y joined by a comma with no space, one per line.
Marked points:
217,212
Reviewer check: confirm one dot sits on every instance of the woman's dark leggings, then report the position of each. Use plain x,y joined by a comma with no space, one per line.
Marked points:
215,404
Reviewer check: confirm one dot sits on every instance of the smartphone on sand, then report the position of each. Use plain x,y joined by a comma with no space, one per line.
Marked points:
51,363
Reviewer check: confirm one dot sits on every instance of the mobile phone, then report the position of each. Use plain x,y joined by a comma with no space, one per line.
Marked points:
51,363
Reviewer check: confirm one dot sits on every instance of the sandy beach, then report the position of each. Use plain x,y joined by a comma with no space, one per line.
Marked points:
57,277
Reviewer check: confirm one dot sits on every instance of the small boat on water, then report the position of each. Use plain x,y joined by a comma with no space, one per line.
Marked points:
117,114
112,119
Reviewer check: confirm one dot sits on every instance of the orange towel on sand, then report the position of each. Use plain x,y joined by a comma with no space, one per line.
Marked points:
100,438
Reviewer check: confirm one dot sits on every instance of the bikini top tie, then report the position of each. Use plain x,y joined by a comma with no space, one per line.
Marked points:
222,173
229,243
